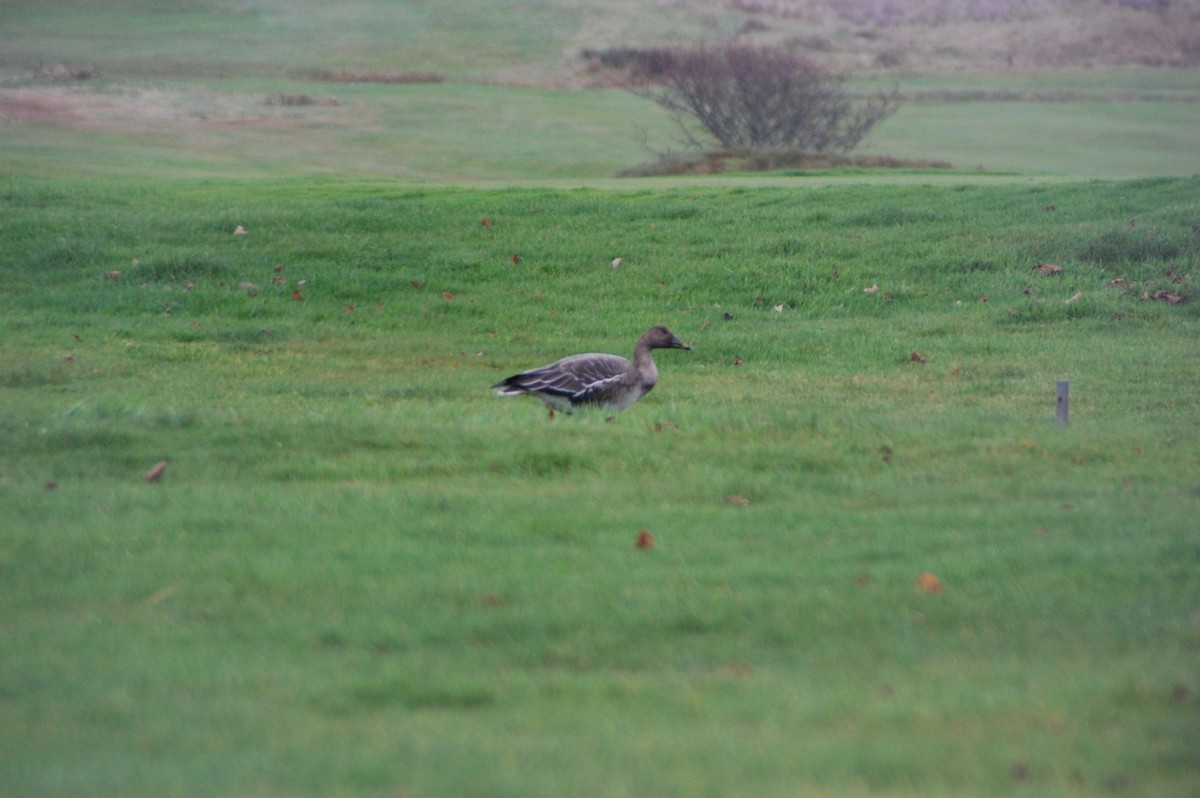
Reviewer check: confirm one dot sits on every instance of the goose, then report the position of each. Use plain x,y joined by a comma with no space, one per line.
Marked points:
608,381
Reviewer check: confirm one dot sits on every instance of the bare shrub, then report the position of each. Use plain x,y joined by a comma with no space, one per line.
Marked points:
764,98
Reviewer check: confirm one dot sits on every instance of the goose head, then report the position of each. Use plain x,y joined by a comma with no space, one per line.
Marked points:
662,338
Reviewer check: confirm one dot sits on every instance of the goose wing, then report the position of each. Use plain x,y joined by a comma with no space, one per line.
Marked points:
580,378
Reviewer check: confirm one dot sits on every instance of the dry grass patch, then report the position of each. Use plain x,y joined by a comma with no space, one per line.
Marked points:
373,76
724,161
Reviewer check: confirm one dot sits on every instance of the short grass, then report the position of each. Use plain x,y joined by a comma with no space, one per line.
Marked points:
364,574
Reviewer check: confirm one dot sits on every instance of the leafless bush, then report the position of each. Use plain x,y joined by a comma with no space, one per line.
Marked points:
764,98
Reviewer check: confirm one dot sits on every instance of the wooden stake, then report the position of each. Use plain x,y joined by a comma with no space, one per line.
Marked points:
1064,402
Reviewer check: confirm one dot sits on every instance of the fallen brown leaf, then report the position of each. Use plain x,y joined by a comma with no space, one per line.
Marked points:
515,259
1047,268
928,583
645,540
1164,296
156,472
446,295
917,358
738,501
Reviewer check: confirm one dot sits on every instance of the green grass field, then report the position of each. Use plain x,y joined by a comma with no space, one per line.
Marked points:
880,567
364,574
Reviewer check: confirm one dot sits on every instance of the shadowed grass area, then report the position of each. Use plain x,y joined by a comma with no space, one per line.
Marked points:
363,574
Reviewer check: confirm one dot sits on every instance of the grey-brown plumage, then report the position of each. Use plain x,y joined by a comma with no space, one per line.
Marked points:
608,381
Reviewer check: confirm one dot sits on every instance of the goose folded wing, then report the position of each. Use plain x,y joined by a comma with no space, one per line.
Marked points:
578,377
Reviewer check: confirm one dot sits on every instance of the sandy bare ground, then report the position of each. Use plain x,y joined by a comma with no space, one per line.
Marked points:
83,108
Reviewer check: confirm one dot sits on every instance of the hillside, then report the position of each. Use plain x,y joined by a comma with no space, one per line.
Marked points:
487,90
547,42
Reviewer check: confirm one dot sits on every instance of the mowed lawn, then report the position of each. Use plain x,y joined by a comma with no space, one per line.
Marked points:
879,566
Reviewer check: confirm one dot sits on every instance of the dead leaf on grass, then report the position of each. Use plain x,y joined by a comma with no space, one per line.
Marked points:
738,500
156,472
1047,268
1163,296
929,583
644,540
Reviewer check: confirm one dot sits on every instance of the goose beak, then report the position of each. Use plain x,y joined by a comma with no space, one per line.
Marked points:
677,344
